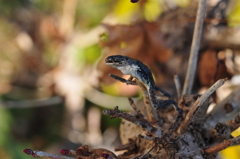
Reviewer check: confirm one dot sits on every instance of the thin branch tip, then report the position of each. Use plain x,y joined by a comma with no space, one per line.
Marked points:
105,112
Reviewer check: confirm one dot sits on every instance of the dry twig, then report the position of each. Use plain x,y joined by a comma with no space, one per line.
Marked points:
223,145
116,113
224,111
44,154
234,123
197,107
222,131
32,103
192,64
131,102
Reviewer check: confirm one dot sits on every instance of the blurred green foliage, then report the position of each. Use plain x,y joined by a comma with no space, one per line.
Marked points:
8,6
48,7
8,147
90,13
5,125
88,55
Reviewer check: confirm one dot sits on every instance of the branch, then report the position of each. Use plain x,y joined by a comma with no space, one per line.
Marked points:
222,131
218,134
116,113
188,100
140,115
234,123
199,106
224,111
192,64
223,145
44,154
32,103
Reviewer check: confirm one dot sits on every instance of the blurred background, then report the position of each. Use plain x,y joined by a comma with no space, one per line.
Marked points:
53,80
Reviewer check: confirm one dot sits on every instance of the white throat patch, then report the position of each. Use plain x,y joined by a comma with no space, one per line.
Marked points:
129,69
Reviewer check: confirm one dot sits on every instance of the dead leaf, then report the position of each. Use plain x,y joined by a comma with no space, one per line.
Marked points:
83,152
142,40
210,68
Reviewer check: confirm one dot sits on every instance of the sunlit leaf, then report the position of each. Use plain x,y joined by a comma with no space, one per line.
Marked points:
152,10
88,55
103,37
124,10
92,53
234,15
183,3
232,152
111,89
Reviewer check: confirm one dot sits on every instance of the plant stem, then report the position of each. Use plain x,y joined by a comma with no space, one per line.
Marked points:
192,64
